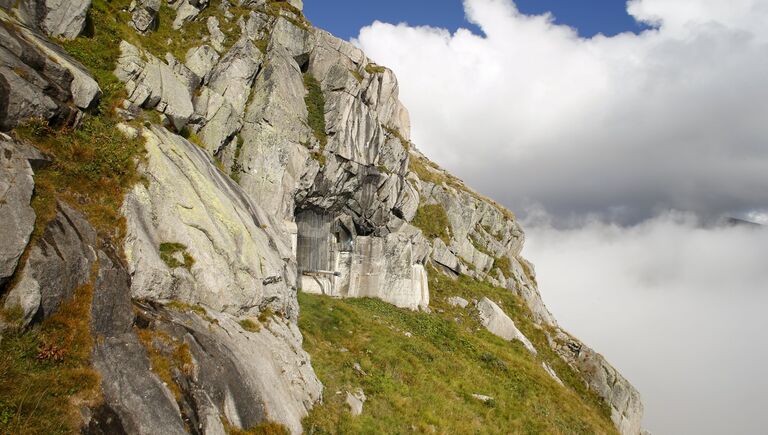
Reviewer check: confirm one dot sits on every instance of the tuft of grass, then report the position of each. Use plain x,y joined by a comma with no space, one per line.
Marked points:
169,253
281,8
263,428
396,133
503,264
165,357
249,325
45,372
425,382
315,102
433,222
372,68
356,74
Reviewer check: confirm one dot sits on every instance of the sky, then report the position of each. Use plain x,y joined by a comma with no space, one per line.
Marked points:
622,134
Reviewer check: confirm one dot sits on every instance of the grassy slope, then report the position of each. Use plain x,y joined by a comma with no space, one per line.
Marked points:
424,383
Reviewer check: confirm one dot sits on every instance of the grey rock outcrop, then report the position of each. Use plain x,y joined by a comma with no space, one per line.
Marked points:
38,79
622,398
201,60
65,18
186,10
58,264
58,18
217,36
143,404
153,84
485,238
495,320
16,214
144,17
241,256
246,377
458,302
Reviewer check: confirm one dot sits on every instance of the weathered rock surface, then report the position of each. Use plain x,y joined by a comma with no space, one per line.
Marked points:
58,264
38,79
58,18
144,17
145,406
247,377
16,214
242,259
495,320
65,18
484,239
623,399
153,84
458,302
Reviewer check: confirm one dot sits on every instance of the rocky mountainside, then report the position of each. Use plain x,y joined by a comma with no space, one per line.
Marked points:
177,171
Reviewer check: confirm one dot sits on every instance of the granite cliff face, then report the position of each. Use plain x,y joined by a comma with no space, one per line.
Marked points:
277,160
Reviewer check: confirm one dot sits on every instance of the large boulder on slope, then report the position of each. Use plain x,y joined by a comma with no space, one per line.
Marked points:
497,322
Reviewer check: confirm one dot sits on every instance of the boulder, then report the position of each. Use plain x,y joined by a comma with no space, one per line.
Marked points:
201,60
218,38
65,18
58,264
186,10
498,323
145,16
16,214
458,302
355,402
153,84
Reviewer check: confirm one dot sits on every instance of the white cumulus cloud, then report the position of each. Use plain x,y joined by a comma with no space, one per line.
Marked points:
625,126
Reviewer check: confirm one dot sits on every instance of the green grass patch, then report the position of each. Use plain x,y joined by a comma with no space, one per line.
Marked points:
170,253
424,383
433,222
249,325
372,68
264,428
503,264
281,8
165,356
356,74
315,102
45,373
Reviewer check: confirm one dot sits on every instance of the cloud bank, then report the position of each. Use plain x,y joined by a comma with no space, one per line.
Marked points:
679,308
624,126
